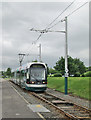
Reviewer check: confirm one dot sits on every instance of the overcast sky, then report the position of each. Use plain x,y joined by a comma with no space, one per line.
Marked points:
18,17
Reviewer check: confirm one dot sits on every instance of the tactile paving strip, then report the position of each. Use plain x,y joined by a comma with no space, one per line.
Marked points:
38,108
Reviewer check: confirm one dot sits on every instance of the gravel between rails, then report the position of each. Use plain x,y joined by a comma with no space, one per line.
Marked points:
78,101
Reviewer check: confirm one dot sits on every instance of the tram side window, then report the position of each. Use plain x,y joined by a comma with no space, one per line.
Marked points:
14,75
23,74
17,74
27,76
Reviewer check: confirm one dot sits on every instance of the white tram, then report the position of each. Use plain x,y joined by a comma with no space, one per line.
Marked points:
32,76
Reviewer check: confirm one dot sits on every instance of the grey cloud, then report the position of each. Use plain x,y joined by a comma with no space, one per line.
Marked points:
19,17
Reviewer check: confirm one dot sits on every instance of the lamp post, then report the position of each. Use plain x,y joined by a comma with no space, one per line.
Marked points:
21,56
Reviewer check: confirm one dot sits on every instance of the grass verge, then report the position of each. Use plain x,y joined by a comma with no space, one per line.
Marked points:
78,86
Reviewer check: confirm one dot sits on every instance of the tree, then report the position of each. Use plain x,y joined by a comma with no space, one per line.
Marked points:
3,74
52,71
47,69
8,72
88,68
87,74
60,65
74,66
77,74
35,60
57,75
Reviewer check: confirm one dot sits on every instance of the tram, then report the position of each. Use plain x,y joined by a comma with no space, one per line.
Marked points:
31,76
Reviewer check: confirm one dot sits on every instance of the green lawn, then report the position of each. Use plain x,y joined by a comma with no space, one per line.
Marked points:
78,86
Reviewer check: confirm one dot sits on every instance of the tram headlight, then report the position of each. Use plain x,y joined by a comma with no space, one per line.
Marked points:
32,82
44,82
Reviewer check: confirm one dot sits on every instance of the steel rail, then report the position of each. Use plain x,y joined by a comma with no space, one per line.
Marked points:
65,113
75,104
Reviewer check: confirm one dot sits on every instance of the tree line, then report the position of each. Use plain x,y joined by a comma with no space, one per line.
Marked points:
6,73
75,68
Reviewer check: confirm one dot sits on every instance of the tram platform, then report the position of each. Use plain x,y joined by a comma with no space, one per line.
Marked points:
13,105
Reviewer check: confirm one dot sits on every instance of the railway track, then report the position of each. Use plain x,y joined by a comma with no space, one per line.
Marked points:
70,110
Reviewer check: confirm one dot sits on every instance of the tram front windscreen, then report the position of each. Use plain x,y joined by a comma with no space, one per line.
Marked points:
37,72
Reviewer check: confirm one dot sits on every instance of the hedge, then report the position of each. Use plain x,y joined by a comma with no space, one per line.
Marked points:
87,74
57,75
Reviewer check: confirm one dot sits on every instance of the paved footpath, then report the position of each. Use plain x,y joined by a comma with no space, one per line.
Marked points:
13,106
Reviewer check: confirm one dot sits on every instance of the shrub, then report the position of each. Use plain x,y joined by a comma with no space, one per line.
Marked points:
52,71
3,76
57,75
83,75
77,74
87,74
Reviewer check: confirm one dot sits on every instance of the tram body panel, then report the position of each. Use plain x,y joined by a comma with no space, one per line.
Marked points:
32,76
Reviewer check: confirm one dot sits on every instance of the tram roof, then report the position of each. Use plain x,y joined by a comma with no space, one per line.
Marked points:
27,65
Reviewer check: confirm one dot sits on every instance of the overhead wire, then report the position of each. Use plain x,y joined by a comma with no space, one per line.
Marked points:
34,42
60,20
69,14
30,54
77,9
55,20
61,13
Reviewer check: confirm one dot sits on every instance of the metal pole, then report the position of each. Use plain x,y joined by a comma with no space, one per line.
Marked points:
21,56
66,58
40,52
